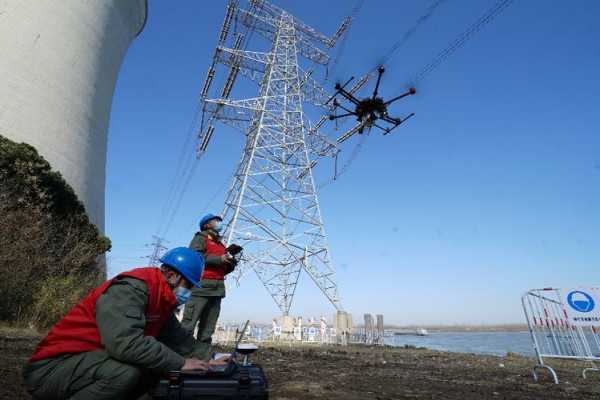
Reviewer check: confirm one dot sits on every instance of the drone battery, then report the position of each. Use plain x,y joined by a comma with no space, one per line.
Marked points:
245,382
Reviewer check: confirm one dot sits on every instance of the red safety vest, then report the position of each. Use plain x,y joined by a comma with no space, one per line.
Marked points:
214,248
78,332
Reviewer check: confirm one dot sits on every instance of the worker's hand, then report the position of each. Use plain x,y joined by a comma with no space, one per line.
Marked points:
220,361
226,258
194,364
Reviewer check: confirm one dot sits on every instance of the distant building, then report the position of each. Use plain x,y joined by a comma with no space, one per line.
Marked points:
59,61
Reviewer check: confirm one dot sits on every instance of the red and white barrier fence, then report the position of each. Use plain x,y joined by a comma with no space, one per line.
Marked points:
564,324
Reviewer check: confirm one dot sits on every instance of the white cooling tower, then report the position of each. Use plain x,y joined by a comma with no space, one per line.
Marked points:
59,61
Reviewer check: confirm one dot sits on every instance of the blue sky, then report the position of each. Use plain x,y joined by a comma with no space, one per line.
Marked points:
493,187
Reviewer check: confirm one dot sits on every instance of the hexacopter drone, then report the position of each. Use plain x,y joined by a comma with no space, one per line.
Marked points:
368,110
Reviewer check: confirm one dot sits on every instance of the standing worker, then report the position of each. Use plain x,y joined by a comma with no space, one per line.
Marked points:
205,305
120,336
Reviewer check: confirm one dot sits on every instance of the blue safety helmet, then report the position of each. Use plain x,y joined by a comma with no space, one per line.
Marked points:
187,262
207,218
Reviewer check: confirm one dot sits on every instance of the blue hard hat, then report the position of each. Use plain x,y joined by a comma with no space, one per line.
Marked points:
187,262
207,218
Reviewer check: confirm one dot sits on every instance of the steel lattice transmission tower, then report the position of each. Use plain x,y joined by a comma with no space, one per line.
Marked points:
272,208
158,248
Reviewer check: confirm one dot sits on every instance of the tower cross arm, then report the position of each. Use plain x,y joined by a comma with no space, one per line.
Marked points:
265,25
236,113
300,26
252,104
310,51
313,92
229,111
250,60
320,145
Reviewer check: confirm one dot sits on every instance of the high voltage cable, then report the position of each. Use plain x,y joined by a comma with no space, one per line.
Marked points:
355,152
183,165
185,169
212,198
187,179
410,32
485,19
355,10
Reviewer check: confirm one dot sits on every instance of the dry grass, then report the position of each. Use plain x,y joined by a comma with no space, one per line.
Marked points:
48,247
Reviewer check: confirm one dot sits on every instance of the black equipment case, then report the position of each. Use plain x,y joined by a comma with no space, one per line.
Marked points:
244,382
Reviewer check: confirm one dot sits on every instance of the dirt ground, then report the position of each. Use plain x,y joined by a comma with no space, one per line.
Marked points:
367,373
393,373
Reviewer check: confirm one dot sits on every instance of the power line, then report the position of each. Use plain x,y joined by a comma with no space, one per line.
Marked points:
183,161
355,10
353,155
186,165
410,32
181,194
214,196
463,38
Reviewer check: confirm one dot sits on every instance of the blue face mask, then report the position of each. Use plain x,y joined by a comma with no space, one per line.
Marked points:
218,226
182,295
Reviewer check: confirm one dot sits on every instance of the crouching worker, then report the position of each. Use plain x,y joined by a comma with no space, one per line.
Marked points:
121,336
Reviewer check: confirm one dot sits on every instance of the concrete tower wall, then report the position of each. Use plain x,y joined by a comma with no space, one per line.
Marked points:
59,61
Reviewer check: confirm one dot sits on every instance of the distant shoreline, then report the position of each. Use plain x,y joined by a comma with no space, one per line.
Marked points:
440,328
461,328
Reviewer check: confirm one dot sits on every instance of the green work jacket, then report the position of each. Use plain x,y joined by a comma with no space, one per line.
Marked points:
120,316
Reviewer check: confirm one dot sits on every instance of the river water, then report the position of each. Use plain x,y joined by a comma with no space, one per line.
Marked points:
494,343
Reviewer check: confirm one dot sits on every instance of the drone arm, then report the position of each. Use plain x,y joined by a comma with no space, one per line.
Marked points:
397,121
332,117
347,82
345,109
376,91
339,88
348,96
409,93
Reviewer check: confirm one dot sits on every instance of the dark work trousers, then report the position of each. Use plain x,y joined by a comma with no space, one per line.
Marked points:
202,311
91,375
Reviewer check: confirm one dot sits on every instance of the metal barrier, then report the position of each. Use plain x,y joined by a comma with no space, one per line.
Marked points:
564,324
